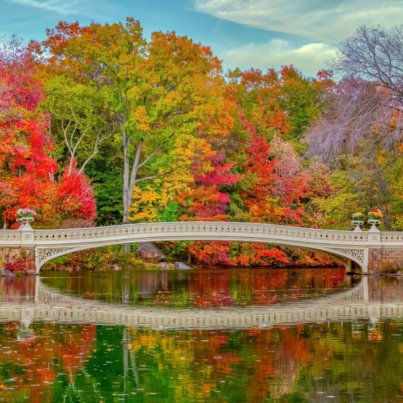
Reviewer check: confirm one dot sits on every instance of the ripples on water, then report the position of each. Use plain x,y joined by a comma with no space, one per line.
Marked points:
356,359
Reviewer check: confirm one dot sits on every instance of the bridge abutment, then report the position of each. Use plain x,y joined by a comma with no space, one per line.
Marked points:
384,257
18,254
24,252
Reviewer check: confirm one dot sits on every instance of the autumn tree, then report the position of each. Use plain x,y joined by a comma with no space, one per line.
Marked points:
373,54
207,200
367,103
25,163
68,199
158,91
274,183
280,103
27,168
79,117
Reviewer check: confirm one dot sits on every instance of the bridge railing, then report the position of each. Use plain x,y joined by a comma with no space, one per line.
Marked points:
8,235
391,237
217,228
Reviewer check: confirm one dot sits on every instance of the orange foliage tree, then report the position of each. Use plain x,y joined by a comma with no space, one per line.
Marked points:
278,103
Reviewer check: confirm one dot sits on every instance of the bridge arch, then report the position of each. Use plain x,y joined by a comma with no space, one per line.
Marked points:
346,246
346,259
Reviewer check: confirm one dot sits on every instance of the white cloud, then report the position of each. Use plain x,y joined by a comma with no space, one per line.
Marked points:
319,20
309,58
58,6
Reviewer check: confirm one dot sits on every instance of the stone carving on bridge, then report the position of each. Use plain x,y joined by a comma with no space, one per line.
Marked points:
10,235
357,254
392,237
45,254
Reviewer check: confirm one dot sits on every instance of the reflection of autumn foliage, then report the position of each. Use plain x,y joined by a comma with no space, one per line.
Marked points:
358,359
260,287
264,361
211,290
333,278
34,361
206,288
75,348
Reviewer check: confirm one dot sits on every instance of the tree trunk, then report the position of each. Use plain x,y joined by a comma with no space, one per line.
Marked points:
129,178
126,181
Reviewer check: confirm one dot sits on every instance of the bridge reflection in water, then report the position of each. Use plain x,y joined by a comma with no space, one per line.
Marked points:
365,300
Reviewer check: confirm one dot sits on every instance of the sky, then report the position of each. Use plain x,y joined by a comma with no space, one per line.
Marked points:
242,33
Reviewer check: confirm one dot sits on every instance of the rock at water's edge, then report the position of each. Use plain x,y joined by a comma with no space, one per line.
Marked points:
7,273
181,266
148,251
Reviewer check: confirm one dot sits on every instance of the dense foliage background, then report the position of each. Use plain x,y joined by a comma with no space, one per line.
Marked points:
99,126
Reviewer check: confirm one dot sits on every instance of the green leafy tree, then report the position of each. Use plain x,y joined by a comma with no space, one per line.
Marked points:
80,116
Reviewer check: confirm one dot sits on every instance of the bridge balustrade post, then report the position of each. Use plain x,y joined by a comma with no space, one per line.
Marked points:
374,250
28,246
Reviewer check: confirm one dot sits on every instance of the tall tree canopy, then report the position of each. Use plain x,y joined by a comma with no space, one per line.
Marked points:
159,92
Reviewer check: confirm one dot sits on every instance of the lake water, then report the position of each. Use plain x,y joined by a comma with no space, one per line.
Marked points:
306,335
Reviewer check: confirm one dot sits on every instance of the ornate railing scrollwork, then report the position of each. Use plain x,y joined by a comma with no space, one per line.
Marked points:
357,254
44,254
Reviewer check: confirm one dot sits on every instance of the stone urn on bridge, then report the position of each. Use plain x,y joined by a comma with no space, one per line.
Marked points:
358,221
374,218
24,217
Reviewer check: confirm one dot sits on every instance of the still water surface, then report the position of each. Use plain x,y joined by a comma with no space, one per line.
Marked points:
351,360
198,289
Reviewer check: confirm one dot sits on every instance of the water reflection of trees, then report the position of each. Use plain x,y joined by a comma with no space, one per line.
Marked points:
203,288
279,363
33,358
353,361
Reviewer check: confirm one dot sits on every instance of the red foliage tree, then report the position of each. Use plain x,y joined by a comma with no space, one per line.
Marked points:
25,163
77,194
207,203
27,169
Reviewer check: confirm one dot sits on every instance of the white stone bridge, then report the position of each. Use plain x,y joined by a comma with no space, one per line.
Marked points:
365,250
